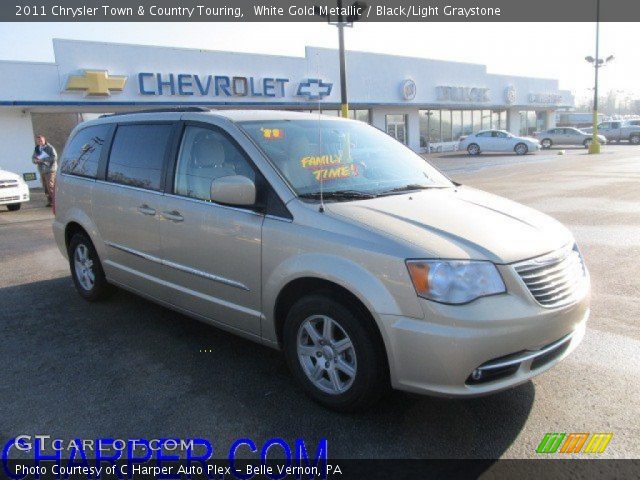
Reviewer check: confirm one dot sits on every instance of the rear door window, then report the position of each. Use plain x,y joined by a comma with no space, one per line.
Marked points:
82,154
137,155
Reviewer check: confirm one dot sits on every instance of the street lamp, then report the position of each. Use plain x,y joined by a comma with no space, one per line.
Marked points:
594,146
355,11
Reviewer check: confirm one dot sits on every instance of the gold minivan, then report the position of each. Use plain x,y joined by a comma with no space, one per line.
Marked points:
326,238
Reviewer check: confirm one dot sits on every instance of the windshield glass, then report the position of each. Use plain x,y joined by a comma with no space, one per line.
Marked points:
349,157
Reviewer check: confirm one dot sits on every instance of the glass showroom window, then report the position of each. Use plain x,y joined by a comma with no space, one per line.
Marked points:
456,125
503,119
446,125
362,115
486,119
467,122
331,113
528,122
477,120
397,127
429,127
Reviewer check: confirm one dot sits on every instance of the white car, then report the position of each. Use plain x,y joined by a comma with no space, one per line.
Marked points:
498,141
14,191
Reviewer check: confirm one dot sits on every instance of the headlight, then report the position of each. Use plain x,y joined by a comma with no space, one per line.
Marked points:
455,281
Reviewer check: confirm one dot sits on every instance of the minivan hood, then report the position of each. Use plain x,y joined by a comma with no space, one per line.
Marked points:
460,223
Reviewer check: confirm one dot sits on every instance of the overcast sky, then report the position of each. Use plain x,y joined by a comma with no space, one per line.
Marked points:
550,50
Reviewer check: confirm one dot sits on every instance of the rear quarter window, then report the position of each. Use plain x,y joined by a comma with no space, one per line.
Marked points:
82,154
137,155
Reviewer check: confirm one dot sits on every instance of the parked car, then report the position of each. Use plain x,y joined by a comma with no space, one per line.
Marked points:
619,131
326,238
14,191
567,136
498,141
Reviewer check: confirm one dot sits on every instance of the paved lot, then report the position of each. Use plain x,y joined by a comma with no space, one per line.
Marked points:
129,368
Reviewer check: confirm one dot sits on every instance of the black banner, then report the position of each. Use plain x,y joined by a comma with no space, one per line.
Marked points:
331,469
304,11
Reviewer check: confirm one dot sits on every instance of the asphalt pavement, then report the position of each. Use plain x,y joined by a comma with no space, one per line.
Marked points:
128,368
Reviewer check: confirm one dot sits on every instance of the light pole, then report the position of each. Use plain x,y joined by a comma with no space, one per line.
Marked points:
354,12
594,146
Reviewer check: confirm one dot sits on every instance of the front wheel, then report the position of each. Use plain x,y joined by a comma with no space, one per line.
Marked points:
334,352
14,207
473,149
521,149
634,139
86,269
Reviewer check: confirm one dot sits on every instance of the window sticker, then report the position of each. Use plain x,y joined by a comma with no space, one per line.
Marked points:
272,133
328,167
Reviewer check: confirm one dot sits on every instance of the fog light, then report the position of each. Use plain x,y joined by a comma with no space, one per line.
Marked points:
476,375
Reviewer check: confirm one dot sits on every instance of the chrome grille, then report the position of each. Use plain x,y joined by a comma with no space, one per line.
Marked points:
555,279
8,183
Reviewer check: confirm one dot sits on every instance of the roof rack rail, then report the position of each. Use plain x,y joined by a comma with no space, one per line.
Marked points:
159,110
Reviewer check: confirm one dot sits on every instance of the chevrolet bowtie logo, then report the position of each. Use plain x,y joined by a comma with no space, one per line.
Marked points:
314,89
96,82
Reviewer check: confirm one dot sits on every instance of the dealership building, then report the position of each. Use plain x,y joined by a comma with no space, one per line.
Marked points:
426,104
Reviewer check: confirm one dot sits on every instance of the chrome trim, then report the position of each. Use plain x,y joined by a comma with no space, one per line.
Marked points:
526,355
130,187
188,291
555,279
178,266
79,177
210,203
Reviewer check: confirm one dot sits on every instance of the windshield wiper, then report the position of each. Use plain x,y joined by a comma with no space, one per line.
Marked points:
405,188
338,195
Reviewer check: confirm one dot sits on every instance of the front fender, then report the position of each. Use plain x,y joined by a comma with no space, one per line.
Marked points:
365,285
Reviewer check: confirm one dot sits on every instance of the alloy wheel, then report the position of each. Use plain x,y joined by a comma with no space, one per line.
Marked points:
326,354
83,266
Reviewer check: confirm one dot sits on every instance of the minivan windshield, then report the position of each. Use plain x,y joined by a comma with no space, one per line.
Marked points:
346,159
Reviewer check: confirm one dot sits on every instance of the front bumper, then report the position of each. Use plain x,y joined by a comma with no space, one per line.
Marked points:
509,337
11,195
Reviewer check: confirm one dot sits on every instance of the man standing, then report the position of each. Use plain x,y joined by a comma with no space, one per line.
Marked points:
45,157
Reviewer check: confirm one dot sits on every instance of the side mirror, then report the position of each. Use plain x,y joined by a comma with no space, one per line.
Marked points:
235,190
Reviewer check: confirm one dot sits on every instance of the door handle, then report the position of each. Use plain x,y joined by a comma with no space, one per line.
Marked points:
173,215
146,209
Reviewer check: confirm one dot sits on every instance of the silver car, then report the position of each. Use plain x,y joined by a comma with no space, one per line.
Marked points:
325,238
566,136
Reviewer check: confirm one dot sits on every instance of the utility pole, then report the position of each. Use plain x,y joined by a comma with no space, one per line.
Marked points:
356,9
594,147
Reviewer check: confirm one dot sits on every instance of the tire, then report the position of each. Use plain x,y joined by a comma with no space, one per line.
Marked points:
634,139
86,269
473,149
363,356
546,143
521,149
14,207
586,143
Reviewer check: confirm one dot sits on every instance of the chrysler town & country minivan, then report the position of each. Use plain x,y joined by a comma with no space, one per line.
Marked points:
326,238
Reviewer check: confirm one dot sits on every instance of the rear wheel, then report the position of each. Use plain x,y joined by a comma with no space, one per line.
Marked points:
333,351
14,206
86,269
634,139
587,142
521,149
546,143
473,149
